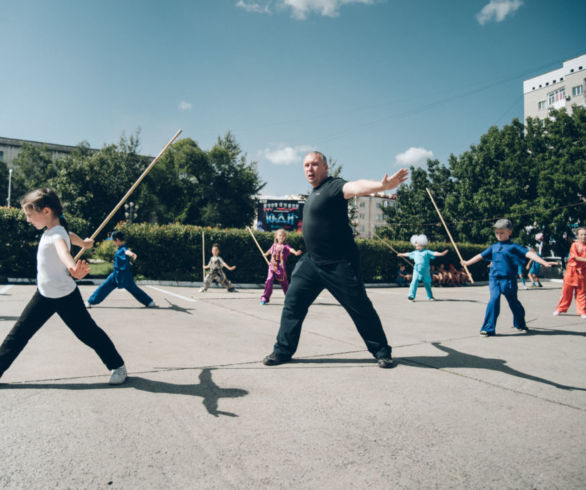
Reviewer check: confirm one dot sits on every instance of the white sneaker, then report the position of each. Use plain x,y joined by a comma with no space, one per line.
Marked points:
202,290
152,304
557,313
118,376
87,304
583,316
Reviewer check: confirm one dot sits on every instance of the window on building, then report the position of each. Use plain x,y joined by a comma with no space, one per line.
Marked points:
557,96
361,215
1,156
362,204
541,104
579,90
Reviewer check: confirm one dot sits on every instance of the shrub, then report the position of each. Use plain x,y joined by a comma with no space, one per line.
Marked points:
174,252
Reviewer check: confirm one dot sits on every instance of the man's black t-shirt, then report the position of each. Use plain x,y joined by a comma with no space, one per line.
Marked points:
326,229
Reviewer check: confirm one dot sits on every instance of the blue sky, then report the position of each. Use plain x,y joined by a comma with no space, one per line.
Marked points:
374,84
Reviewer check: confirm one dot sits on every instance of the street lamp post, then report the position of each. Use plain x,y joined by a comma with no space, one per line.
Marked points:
130,211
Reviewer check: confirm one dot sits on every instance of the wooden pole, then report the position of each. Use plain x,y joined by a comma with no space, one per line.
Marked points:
203,255
130,191
450,235
392,248
260,249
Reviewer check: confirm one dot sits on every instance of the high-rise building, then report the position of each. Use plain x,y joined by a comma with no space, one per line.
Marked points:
556,89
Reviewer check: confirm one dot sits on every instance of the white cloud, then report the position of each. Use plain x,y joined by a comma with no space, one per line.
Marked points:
413,156
497,10
328,8
184,106
285,155
300,9
255,7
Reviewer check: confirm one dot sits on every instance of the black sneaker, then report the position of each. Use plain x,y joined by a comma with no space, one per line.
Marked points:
521,329
274,359
411,299
385,362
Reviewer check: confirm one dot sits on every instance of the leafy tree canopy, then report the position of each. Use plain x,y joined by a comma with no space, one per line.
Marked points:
534,175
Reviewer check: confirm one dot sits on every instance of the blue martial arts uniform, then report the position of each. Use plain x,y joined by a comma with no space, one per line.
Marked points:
120,278
505,257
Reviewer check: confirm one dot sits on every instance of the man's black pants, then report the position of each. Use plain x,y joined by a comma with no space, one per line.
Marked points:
73,312
344,282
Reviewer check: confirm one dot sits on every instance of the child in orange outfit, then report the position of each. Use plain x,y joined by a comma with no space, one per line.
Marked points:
575,278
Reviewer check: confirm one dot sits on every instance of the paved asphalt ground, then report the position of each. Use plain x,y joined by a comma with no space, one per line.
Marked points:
199,409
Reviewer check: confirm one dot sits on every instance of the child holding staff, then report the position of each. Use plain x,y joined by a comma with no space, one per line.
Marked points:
121,277
279,252
421,270
216,273
575,278
56,289
505,256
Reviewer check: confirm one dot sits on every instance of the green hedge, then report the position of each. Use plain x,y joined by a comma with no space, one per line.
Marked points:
19,240
173,252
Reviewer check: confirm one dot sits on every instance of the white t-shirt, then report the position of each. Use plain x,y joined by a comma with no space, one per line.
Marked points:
53,279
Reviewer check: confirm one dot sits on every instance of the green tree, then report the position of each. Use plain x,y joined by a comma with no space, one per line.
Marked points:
191,186
32,169
534,175
3,183
413,212
90,183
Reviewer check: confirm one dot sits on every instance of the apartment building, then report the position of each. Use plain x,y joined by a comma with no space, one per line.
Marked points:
556,89
368,213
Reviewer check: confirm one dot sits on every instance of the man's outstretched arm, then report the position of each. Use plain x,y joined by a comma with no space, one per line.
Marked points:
364,187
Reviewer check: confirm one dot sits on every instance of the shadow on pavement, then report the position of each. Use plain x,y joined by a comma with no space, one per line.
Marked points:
456,359
207,389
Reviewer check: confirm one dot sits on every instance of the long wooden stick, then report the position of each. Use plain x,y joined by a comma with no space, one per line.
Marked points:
203,255
392,248
130,191
260,249
450,235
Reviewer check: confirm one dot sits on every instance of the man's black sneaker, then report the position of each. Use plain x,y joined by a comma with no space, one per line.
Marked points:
385,362
521,329
274,359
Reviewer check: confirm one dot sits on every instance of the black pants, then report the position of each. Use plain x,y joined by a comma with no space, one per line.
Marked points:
73,312
344,282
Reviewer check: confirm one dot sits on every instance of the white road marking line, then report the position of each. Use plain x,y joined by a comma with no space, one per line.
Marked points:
5,288
191,300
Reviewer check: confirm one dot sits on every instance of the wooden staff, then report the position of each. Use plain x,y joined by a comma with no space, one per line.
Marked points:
130,191
450,235
391,247
203,255
261,251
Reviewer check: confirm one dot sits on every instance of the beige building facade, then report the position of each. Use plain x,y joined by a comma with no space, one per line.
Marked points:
369,213
11,147
556,89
